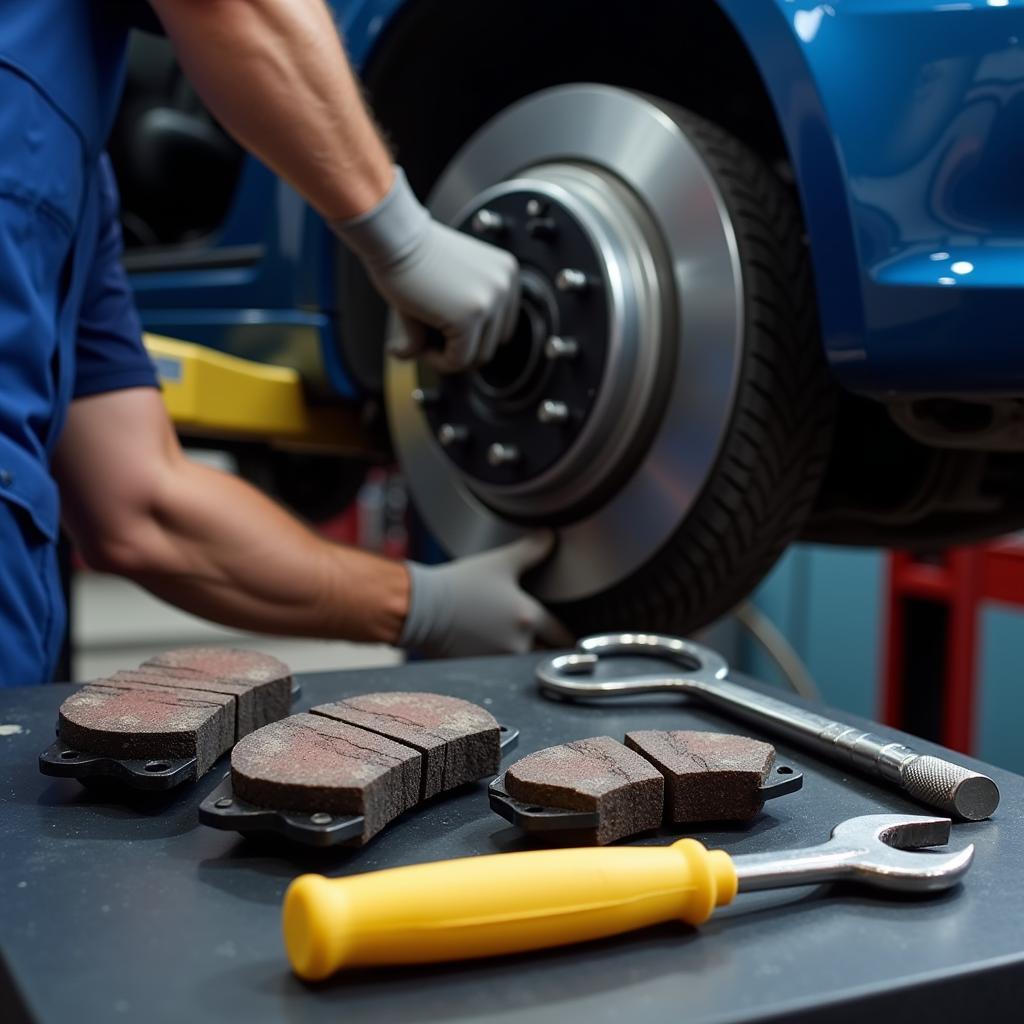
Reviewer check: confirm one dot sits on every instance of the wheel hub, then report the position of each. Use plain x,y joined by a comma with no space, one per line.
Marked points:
542,430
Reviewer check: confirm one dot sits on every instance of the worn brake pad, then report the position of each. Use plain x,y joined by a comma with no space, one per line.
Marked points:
129,719
354,765
261,683
187,707
459,741
311,763
625,791
599,790
709,776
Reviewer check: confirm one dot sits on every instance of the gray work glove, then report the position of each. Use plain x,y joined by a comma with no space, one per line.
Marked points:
475,605
435,277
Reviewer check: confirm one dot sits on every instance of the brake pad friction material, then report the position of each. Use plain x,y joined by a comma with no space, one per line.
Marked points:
709,776
597,774
460,741
194,702
312,763
261,683
254,705
132,720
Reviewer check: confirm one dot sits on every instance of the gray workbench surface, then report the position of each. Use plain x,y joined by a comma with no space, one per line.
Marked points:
111,912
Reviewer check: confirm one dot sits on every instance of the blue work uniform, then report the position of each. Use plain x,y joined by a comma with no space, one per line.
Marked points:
68,326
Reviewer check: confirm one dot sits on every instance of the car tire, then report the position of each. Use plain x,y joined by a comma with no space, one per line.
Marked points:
775,449
705,466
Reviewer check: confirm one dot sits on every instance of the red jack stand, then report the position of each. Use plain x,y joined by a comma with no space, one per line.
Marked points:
930,658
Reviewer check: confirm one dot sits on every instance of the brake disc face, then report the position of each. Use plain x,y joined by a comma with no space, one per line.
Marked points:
603,413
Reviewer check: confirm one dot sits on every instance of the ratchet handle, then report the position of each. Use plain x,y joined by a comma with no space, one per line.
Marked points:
502,903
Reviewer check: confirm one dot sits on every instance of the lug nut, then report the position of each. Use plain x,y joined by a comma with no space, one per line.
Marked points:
535,208
502,454
552,412
451,433
424,396
560,348
571,280
487,222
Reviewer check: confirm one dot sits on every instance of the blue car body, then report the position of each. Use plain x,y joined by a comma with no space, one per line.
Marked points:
904,125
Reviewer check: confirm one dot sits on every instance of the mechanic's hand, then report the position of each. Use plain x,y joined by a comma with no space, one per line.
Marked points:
476,606
436,277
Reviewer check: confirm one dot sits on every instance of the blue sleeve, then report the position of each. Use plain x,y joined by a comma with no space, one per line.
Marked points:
109,354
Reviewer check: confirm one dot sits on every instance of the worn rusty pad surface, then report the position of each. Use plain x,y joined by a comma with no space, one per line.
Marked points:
133,720
253,705
312,763
598,774
709,776
196,701
460,742
224,662
261,683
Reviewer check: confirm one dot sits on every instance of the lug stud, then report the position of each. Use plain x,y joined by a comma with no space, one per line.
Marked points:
550,411
487,222
571,280
452,433
560,348
424,396
502,454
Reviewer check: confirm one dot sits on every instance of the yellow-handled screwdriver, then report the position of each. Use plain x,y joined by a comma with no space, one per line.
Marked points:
508,903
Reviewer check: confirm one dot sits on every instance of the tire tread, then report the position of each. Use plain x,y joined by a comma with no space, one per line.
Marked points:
776,448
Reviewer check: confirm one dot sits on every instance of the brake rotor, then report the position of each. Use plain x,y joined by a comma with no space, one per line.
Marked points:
603,414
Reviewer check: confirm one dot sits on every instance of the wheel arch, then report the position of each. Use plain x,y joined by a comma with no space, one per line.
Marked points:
439,69
772,34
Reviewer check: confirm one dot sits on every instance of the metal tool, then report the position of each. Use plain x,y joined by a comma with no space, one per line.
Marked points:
940,784
511,902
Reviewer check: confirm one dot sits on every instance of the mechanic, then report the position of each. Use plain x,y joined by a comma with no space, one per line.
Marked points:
83,429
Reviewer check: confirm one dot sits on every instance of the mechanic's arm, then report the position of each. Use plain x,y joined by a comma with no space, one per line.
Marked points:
274,73
215,546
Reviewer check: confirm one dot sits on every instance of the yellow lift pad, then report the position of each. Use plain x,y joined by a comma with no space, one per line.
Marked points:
212,394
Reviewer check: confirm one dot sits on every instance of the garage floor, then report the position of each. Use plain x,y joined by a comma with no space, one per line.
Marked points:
117,625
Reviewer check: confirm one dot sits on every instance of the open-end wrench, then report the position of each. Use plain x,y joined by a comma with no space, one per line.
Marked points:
940,784
511,902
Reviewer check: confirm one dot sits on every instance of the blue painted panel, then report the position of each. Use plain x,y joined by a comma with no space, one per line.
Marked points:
905,121
1001,697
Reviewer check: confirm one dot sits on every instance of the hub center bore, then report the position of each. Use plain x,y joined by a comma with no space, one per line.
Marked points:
517,369
513,419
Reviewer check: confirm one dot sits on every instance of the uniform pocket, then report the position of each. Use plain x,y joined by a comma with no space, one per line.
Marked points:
41,154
